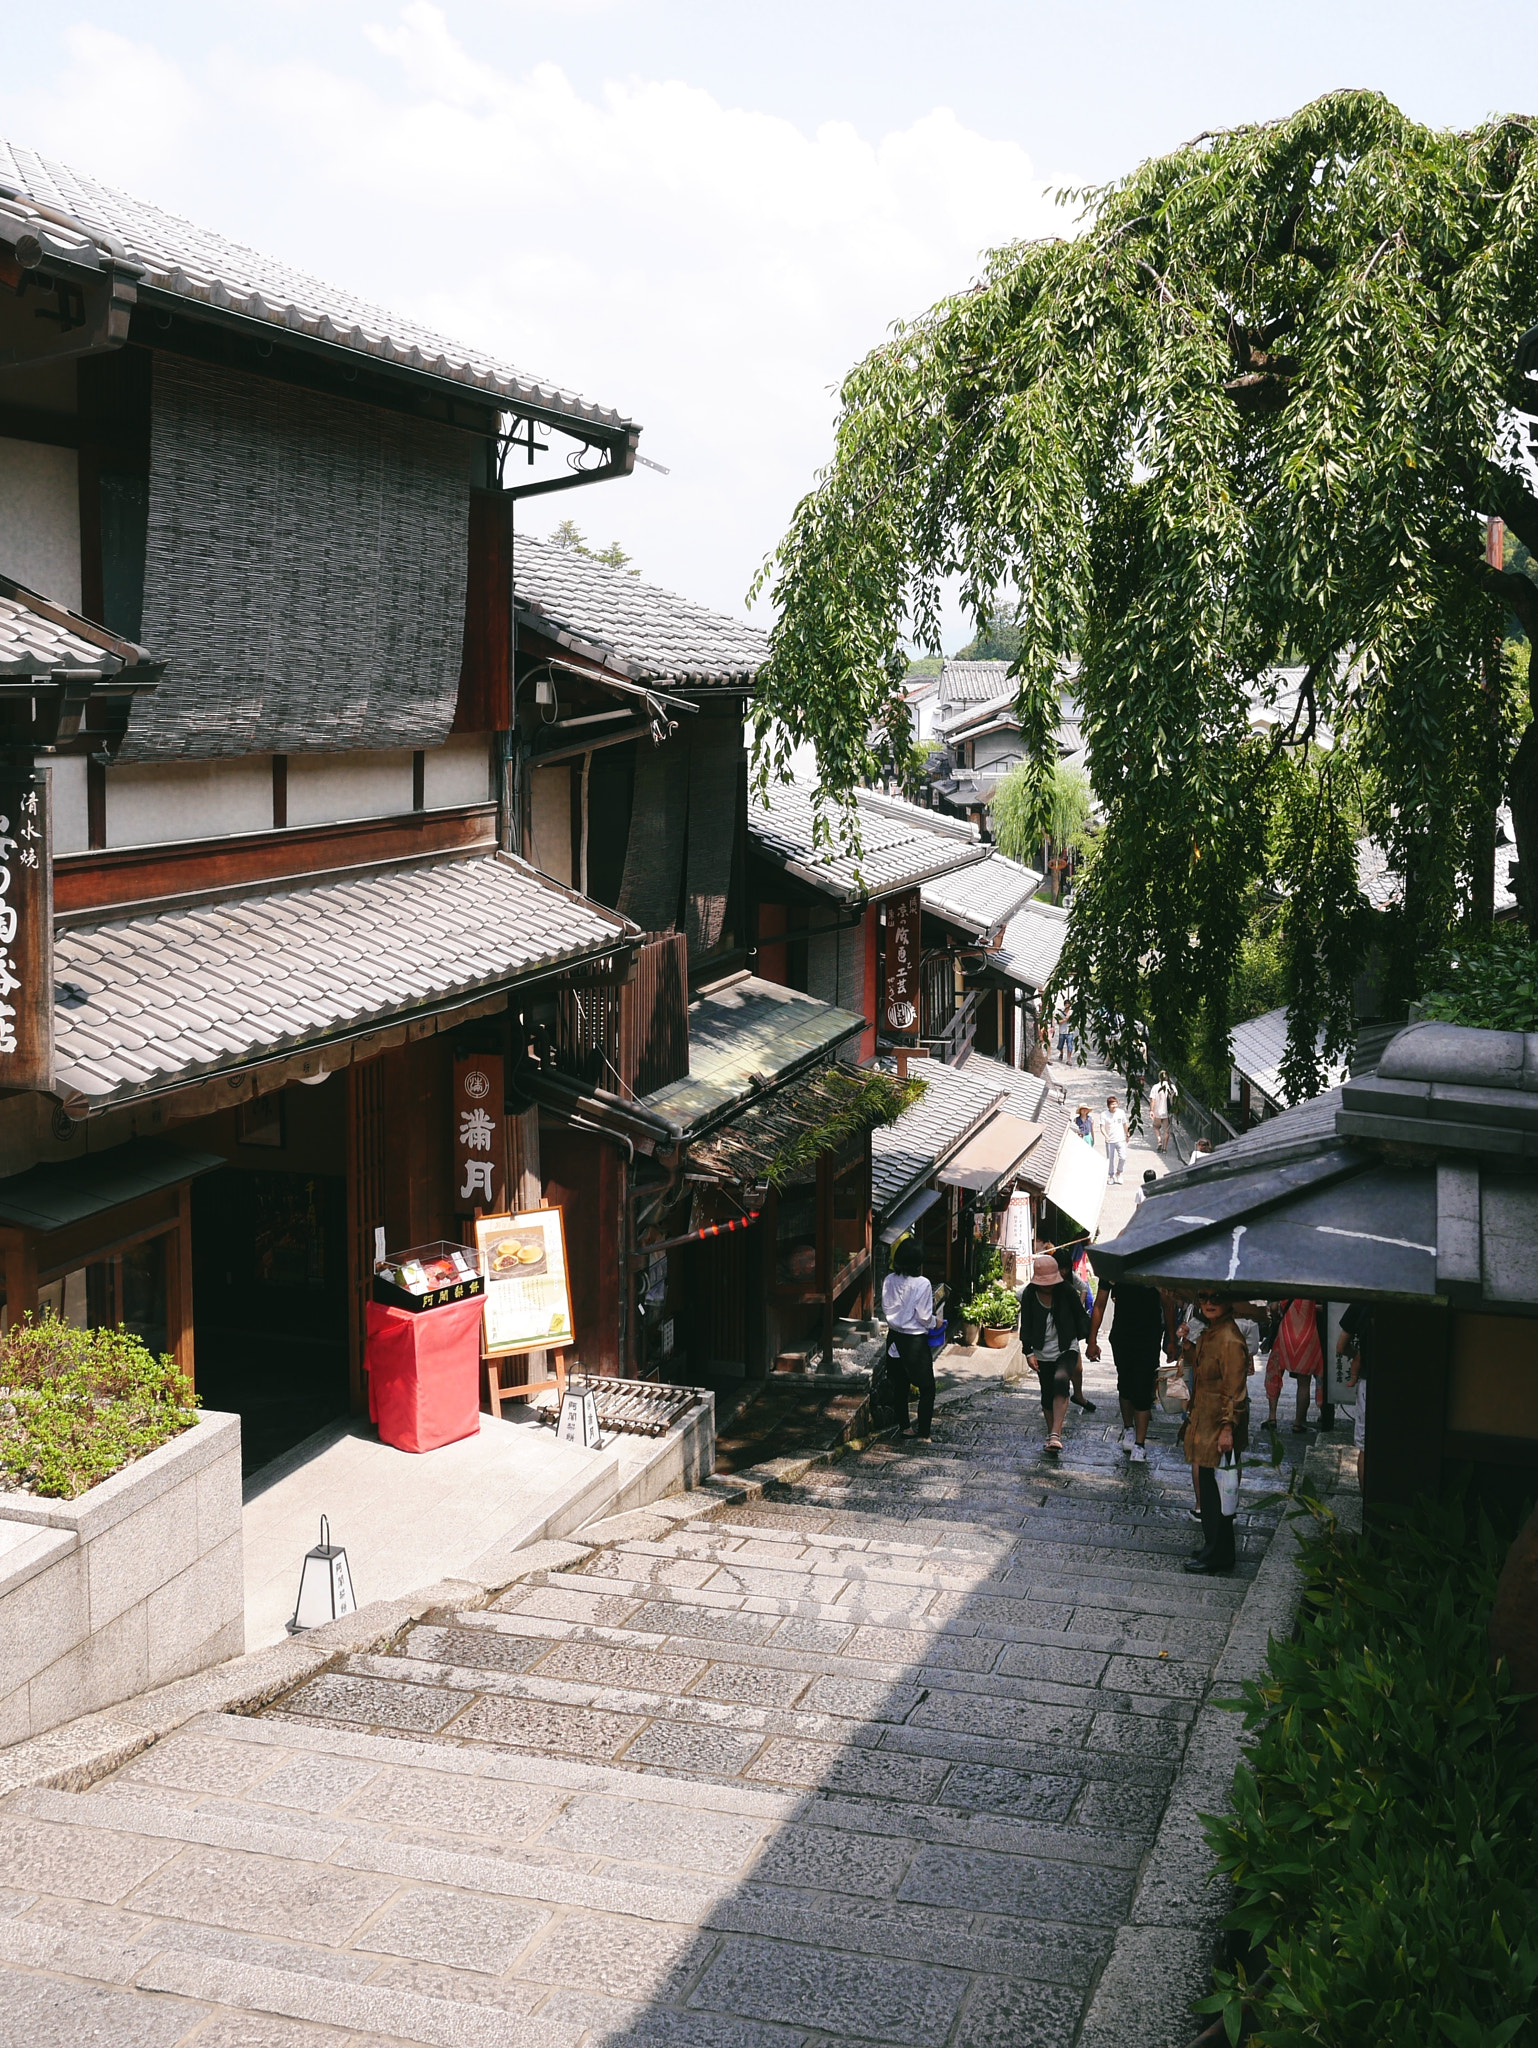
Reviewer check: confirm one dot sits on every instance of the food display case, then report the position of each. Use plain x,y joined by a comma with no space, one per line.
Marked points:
423,1350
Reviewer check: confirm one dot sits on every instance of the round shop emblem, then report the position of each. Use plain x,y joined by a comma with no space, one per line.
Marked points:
902,1016
477,1084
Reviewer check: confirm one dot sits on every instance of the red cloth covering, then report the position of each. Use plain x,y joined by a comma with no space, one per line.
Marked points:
424,1373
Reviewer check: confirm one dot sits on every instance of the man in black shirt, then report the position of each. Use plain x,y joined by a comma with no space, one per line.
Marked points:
1139,1333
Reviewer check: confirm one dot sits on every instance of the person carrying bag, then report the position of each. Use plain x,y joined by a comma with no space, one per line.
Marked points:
908,1304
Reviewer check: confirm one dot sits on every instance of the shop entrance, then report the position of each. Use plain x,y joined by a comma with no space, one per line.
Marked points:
269,1279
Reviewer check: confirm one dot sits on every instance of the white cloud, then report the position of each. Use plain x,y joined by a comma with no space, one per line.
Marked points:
709,269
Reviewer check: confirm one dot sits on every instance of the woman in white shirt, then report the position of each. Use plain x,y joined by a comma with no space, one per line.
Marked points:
908,1303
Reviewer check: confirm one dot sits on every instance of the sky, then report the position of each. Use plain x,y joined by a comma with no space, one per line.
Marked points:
701,213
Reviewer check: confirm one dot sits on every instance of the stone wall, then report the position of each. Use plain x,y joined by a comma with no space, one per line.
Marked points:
137,1582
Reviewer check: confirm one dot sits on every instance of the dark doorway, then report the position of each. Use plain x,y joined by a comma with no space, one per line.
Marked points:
269,1280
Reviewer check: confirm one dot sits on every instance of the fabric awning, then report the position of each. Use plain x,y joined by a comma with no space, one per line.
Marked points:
48,1197
1076,1184
995,1153
903,1219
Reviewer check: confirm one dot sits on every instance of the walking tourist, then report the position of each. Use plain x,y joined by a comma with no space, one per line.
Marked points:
1084,1124
1053,1320
1216,1423
908,1304
1113,1128
1355,1343
1159,1099
1149,1177
1139,1334
1296,1349
1065,1256
1065,1040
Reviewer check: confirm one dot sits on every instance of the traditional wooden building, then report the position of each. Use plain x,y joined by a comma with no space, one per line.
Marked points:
264,765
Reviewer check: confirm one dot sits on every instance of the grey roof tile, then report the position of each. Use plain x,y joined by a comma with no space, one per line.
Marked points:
984,896
195,264
301,964
38,635
1033,944
655,636
901,846
1260,1046
955,1101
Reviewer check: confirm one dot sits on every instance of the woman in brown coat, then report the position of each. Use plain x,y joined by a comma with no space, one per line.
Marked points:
1217,1420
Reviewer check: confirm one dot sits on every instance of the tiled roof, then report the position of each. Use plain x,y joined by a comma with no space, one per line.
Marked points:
973,682
955,1102
194,263
901,846
175,995
1033,944
1260,1046
983,897
653,635
38,636
743,1037
1384,887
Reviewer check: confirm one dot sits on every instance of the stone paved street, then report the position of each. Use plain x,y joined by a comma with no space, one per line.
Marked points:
877,1759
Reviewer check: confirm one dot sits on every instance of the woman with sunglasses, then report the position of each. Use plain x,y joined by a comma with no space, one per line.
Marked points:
1217,1421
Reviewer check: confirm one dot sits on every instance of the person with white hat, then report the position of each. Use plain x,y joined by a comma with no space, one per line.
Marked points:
1053,1323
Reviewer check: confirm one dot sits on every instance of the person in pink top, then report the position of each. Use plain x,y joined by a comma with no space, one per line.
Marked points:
1296,1349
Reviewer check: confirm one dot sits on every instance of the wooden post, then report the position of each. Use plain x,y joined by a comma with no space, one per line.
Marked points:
179,1285
18,1248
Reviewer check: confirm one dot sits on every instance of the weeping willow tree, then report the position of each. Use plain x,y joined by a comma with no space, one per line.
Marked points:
1254,414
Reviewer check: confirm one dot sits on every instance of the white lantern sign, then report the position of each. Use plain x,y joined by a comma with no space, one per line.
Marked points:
325,1585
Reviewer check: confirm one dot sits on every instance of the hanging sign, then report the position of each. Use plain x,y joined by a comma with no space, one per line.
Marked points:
480,1155
903,952
528,1292
26,932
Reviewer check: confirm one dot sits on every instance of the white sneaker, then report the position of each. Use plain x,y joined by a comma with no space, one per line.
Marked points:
1140,1454
1128,1438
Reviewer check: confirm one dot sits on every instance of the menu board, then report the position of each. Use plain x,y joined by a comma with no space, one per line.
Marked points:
528,1292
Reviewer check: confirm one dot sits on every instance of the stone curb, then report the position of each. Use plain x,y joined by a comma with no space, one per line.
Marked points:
1163,1954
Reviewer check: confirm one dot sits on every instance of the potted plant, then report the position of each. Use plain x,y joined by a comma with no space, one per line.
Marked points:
995,1310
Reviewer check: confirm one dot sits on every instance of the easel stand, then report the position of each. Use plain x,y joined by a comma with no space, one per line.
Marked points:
496,1393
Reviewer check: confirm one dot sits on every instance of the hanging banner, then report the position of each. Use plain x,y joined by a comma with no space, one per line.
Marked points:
528,1292
480,1153
903,953
26,932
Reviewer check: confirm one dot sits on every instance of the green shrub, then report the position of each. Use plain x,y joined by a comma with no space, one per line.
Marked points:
1490,981
1384,1838
994,1307
77,1405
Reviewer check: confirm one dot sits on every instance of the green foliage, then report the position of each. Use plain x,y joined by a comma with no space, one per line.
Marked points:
848,1104
998,638
1256,410
913,772
1490,981
990,1266
76,1405
1383,1844
995,1308
569,535
925,665
1016,813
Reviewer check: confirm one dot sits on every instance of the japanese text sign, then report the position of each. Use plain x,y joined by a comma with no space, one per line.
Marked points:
26,932
480,1150
903,952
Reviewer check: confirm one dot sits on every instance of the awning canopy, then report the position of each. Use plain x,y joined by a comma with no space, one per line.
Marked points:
1076,1184
997,1151
49,1197
903,1219
788,1128
744,1035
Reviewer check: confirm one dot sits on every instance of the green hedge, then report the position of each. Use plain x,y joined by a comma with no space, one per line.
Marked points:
78,1405
1384,1838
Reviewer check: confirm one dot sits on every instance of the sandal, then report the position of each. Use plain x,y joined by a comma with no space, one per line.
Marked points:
1054,1445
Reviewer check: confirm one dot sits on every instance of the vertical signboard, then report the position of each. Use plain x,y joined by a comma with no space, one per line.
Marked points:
480,1153
900,1017
26,931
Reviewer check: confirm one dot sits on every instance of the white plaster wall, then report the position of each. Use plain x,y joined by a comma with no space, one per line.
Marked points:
67,801
40,519
323,789
458,772
152,802
550,821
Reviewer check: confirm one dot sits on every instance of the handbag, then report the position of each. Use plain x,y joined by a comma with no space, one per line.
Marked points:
1228,1483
